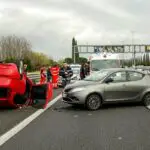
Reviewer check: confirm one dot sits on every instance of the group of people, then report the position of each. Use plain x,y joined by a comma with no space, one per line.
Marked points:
54,72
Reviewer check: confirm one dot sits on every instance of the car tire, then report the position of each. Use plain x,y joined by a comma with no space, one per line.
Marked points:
93,102
146,99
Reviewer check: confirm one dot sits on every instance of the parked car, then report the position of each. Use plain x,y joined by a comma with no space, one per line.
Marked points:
16,89
107,86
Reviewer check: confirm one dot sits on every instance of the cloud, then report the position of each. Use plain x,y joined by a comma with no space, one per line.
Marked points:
51,24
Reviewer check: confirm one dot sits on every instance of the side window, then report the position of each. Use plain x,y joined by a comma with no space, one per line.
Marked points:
134,76
118,76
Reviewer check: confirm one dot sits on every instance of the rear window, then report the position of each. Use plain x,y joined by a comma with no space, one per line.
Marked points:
134,76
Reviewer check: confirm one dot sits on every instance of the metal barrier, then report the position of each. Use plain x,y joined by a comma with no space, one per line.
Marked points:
34,76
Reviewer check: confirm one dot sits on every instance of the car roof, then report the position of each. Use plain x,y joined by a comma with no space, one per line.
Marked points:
123,69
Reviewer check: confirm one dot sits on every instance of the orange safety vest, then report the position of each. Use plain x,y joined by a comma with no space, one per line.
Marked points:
55,75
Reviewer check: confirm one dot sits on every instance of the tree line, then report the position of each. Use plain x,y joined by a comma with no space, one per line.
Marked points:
14,48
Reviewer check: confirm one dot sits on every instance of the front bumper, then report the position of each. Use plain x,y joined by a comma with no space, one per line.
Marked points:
74,98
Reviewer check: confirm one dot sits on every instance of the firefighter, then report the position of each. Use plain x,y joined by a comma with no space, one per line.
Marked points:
55,75
43,76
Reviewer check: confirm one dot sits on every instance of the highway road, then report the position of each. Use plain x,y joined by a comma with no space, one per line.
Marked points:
63,127
10,117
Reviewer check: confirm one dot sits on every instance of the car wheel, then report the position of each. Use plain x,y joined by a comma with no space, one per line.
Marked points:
146,99
93,102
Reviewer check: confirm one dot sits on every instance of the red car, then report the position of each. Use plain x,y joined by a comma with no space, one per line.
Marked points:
16,89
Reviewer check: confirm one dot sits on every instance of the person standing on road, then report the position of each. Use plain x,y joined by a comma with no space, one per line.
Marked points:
65,71
88,68
42,75
49,75
82,71
55,75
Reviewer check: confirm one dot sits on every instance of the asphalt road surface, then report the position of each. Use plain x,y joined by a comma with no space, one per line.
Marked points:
63,127
10,117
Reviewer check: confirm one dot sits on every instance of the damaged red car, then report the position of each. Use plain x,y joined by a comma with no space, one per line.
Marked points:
16,89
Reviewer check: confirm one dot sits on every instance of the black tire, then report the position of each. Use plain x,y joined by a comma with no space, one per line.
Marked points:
93,102
146,99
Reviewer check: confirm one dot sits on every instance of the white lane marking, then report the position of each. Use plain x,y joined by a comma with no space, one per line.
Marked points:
6,136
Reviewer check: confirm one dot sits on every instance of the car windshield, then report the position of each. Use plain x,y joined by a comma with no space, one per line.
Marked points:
97,76
97,65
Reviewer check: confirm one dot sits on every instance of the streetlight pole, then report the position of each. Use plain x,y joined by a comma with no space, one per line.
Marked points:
133,48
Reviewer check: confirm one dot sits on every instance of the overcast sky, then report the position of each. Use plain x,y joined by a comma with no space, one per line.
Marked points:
51,24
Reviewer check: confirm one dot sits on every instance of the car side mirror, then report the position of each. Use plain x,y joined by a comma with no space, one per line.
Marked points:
108,80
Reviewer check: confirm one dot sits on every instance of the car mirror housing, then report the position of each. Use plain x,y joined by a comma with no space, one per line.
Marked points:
108,80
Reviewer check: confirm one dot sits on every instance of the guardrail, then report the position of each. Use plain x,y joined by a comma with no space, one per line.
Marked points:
34,76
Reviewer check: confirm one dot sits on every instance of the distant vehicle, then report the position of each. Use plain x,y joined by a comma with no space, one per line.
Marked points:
16,89
76,71
107,86
75,66
104,61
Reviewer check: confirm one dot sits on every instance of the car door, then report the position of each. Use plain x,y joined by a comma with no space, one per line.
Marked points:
41,94
135,84
115,90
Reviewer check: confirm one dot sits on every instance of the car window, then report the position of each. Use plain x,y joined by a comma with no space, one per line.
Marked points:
97,76
118,76
134,76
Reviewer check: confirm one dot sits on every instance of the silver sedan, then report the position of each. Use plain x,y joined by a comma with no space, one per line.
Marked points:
107,86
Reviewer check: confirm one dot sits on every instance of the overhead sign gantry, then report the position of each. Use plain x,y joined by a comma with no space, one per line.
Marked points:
128,48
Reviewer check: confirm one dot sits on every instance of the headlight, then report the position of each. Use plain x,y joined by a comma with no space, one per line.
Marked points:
77,89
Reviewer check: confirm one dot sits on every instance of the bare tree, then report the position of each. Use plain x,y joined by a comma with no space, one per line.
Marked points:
14,47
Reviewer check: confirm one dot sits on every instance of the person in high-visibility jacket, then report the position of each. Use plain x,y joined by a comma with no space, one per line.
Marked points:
55,75
42,75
